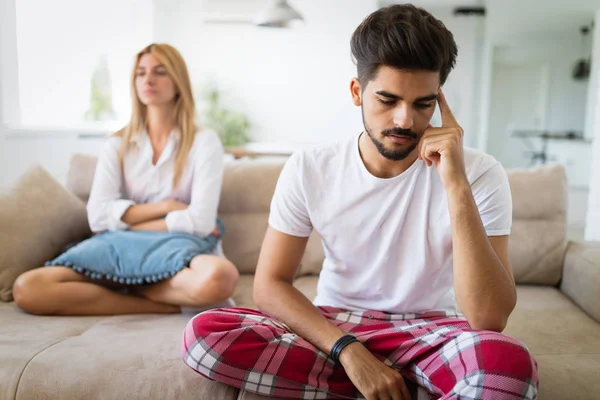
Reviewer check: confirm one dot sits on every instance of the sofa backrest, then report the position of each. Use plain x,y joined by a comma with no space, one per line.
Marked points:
537,242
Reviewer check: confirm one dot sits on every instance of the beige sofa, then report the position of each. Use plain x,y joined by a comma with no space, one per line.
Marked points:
138,356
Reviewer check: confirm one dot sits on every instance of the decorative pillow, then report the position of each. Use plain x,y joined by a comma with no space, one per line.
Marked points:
136,257
38,219
81,175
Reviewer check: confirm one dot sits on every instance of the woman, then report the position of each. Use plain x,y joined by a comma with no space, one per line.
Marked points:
158,175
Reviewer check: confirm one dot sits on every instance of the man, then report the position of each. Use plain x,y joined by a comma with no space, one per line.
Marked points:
414,228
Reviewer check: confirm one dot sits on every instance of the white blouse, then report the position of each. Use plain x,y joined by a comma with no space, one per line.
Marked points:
115,190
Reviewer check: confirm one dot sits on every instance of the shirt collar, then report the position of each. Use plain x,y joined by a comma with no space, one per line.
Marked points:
142,137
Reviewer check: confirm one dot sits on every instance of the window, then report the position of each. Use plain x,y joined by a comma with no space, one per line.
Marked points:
74,60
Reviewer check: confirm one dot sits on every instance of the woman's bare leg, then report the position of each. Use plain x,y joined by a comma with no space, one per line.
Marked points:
62,291
209,280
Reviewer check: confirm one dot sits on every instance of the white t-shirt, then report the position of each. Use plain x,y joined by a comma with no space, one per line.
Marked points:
387,242
114,190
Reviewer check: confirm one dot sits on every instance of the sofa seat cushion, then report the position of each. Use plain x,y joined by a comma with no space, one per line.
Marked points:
548,322
120,357
563,339
24,336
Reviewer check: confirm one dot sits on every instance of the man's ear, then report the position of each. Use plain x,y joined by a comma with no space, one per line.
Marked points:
356,92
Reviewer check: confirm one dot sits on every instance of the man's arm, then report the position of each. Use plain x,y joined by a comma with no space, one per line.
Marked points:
483,281
274,294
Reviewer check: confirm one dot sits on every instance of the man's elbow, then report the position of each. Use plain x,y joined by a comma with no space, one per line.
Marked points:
495,324
259,295
492,320
262,293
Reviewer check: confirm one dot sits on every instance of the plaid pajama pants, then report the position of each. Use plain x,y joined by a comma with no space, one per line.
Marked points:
438,351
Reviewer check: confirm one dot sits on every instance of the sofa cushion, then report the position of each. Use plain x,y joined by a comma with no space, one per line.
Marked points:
248,186
81,175
538,239
581,276
549,323
38,218
568,376
23,336
119,357
562,338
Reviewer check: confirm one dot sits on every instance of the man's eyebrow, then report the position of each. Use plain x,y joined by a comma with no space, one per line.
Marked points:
388,95
393,96
427,98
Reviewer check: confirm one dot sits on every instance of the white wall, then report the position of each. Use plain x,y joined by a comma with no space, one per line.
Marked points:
3,163
51,150
293,84
6,34
562,101
20,149
567,98
461,89
592,231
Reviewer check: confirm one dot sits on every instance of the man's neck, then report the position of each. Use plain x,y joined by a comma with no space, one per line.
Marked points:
377,164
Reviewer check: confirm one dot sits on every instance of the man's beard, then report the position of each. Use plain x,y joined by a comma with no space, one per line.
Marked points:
392,154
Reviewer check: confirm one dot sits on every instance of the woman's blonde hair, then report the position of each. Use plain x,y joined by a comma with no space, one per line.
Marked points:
185,110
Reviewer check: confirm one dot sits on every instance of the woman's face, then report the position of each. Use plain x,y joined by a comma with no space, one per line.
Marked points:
153,84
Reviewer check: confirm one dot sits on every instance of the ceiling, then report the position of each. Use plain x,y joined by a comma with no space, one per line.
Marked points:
517,17
540,16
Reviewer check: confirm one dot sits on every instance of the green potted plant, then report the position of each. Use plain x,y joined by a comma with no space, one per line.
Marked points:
232,126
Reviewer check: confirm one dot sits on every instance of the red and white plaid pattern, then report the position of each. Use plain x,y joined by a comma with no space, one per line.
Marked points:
437,350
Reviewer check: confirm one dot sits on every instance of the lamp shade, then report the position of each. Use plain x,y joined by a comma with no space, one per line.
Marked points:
278,14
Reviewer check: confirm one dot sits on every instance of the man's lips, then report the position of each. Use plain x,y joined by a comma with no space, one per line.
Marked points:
400,139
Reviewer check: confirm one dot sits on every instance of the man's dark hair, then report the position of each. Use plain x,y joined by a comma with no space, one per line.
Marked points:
402,36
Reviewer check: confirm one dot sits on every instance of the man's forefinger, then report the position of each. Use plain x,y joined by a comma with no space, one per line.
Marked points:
447,116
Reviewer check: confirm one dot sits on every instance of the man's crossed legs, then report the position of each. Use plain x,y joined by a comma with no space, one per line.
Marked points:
438,351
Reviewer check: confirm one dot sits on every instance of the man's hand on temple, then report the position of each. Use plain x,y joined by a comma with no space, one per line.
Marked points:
443,147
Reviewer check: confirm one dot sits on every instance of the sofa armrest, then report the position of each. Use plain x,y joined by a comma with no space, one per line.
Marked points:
581,276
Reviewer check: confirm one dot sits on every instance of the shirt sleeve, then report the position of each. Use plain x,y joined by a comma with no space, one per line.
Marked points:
201,216
106,204
494,201
289,211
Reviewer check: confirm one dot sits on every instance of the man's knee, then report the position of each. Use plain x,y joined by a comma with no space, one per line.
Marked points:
203,332
497,358
211,322
506,355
